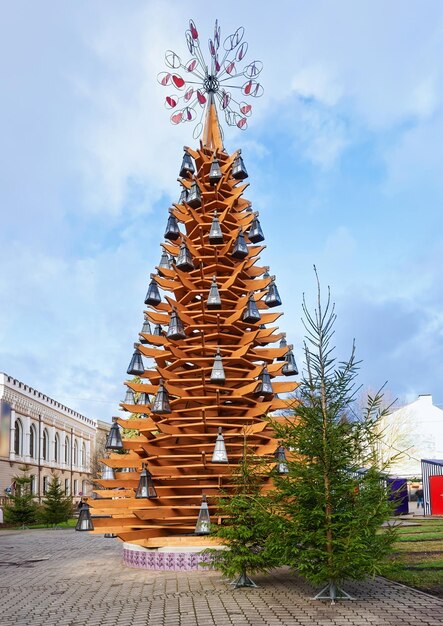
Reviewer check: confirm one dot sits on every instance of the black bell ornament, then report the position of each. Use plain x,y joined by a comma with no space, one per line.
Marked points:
238,168
161,400
144,399
107,472
264,386
239,249
84,519
215,234
290,367
218,372
282,463
146,330
214,300
158,331
251,314
266,272
136,367
145,487
219,455
183,196
215,173
153,296
187,166
129,397
255,233
283,344
172,231
176,329
114,440
165,261
272,297
184,259
203,525
194,196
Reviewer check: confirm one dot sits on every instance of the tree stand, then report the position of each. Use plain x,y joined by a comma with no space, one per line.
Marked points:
243,581
332,592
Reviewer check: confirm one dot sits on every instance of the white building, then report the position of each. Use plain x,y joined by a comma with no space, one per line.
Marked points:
414,432
45,435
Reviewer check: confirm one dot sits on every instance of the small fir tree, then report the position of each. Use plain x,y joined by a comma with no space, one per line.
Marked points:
331,510
22,508
246,518
57,507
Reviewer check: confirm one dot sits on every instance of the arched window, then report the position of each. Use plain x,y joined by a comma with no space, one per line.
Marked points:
18,437
45,479
67,451
45,451
75,487
32,442
84,487
33,484
83,457
57,448
75,453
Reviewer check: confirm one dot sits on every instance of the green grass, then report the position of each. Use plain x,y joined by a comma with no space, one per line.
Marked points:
69,524
418,558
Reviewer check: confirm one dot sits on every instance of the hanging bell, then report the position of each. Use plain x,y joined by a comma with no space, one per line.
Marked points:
215,173
215,234
283,344
146,330
238,168
194,196
264,386
218,372
172,231
255,233
239,249
213,301
266,272
184,259
144,399
158,331
145,487
251,314
282,463
84,519
107,472
203,525
161,400
129,397
165,261
187,166
219,455
136,367
290,367
183,196
272,297
153,296
128,469
114,439
176,329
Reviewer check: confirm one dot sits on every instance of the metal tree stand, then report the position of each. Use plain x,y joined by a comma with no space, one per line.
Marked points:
333,592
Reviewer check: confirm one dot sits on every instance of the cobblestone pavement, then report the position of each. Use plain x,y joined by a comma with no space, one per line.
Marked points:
64,578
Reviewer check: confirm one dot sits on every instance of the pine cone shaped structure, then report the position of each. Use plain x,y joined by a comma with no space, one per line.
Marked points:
178,446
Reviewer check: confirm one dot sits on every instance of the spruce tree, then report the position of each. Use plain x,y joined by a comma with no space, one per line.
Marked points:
22,508
57,508
246,518
331,510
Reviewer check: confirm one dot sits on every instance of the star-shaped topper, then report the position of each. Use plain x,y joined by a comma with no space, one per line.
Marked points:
201,83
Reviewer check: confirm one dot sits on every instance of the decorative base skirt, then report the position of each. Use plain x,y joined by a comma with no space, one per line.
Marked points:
165,559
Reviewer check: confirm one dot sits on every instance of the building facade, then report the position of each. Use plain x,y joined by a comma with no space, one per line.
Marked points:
45,435
412,433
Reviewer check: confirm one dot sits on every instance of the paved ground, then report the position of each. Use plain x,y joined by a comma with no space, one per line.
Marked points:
64,578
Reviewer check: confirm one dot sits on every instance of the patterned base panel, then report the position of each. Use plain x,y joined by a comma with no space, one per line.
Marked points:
151,559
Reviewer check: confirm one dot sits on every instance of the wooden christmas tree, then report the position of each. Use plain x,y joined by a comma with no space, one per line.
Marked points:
216,349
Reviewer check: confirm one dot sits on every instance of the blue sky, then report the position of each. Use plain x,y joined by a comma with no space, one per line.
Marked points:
344,151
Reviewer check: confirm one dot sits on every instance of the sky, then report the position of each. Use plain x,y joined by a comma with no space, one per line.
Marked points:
344,152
